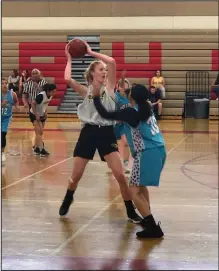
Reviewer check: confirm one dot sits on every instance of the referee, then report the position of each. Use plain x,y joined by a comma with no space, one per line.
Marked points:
32,88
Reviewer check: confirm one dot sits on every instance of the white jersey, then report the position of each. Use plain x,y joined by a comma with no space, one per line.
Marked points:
87,112
42,106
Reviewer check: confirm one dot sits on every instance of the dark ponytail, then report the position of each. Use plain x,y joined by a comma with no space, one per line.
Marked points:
140,95
49,87
144,111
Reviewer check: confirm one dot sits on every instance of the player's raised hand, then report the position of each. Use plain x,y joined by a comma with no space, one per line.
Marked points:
89,50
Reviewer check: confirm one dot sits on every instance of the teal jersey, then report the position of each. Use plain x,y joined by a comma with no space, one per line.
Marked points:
121,101
146,135
7,108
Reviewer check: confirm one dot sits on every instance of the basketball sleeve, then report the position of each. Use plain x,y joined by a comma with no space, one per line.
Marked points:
128,114
39,98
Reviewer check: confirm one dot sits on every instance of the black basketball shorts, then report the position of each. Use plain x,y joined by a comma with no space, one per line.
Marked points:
33,118
94,137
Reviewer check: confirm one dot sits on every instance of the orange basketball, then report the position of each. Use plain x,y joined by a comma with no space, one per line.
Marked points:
77,48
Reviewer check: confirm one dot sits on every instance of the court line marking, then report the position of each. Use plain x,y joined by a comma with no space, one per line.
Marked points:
178,144
98,214
101,203
42,170
84,227
35,173
192,178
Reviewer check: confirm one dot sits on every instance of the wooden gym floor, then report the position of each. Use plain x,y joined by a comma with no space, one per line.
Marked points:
96,235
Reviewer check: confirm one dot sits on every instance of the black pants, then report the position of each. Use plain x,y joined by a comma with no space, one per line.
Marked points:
3,135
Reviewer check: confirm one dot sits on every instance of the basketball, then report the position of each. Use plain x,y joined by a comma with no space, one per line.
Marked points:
77,48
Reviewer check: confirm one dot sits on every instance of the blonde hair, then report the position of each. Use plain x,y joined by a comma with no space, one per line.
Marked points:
88,73
4,79
122,81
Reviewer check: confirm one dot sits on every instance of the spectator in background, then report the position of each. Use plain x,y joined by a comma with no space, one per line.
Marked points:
13,81
158,82
23,79
215,89
155,99
32,88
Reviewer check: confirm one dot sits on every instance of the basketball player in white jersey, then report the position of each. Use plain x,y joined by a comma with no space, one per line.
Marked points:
38,116
97,133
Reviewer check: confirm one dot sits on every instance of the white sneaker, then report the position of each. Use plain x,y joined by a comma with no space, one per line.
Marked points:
126,168
3,157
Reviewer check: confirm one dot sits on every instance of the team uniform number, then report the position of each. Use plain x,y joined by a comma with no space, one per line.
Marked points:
154,127
4,111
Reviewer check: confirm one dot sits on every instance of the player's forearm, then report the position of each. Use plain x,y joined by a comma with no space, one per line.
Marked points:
157,102
102,111
67,74
106,59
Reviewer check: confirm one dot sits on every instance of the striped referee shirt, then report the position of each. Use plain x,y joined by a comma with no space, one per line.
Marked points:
32,89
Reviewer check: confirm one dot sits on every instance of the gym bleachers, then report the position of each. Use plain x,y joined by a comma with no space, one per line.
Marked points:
139,53
37,51
173,52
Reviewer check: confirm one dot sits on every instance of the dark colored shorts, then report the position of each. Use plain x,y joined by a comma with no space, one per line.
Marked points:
147,167
119,130
95,137
33,118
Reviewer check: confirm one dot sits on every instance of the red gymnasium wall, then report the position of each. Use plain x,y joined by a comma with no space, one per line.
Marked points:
29,52
140,53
